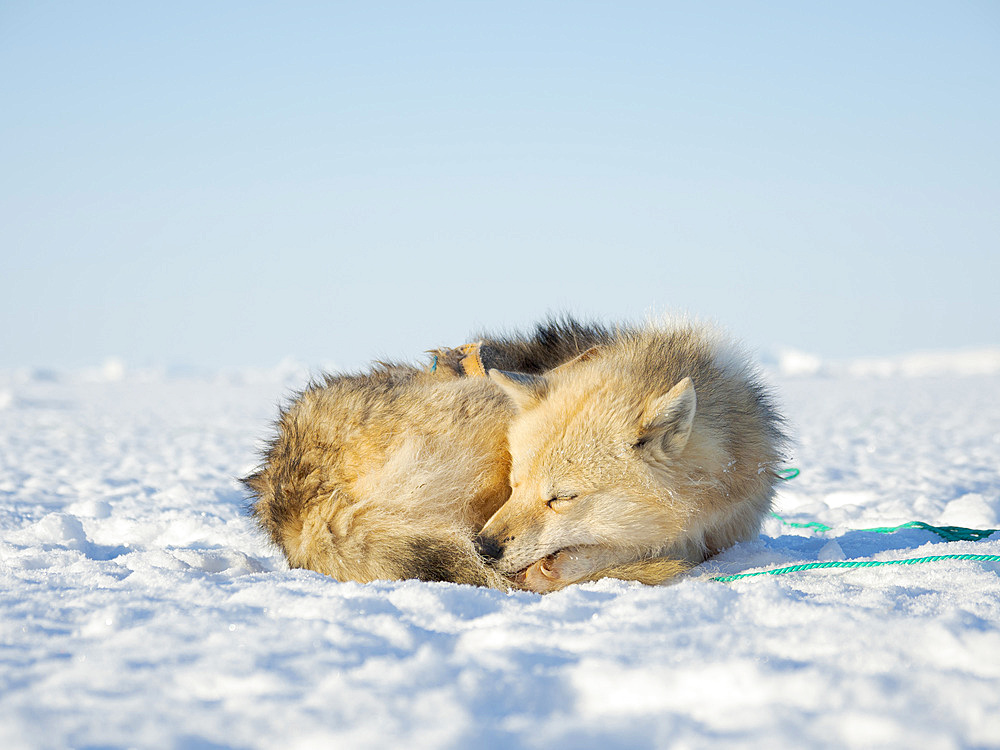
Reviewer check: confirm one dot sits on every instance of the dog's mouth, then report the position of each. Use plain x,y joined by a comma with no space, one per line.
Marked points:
544,574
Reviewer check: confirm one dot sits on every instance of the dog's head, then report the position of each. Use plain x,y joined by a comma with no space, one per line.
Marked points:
591,473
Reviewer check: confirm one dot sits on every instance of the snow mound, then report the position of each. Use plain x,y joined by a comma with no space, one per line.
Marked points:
930,364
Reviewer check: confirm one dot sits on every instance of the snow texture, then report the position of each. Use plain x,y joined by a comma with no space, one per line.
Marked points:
141,608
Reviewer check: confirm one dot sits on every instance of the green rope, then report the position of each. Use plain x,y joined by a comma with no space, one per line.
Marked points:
948,533
822,528
855,564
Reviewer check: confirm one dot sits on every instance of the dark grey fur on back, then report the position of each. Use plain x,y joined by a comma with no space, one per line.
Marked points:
553,342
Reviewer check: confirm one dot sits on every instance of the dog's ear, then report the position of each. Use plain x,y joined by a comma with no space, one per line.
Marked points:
666,424
582,357
523,389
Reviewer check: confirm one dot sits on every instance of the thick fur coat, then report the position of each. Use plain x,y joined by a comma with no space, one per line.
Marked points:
633,453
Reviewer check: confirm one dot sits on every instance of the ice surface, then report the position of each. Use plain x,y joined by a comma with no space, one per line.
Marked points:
140,607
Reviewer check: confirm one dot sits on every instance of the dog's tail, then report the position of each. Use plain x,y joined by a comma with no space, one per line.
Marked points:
356,541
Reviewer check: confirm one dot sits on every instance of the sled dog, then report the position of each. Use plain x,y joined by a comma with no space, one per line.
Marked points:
640,458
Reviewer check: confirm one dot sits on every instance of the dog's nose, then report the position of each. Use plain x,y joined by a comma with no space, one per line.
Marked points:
488,547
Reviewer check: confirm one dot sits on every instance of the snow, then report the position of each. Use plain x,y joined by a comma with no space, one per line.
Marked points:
139,607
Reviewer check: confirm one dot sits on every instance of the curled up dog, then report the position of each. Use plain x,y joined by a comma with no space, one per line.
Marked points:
587,453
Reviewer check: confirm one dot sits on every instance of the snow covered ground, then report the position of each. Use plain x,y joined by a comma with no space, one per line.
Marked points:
140,608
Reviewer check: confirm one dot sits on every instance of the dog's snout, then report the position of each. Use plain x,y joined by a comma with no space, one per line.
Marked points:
488,547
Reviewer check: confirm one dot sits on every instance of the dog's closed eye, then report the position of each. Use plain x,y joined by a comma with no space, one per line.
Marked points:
560,502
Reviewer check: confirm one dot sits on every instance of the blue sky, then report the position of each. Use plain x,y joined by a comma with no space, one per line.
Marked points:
216,184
